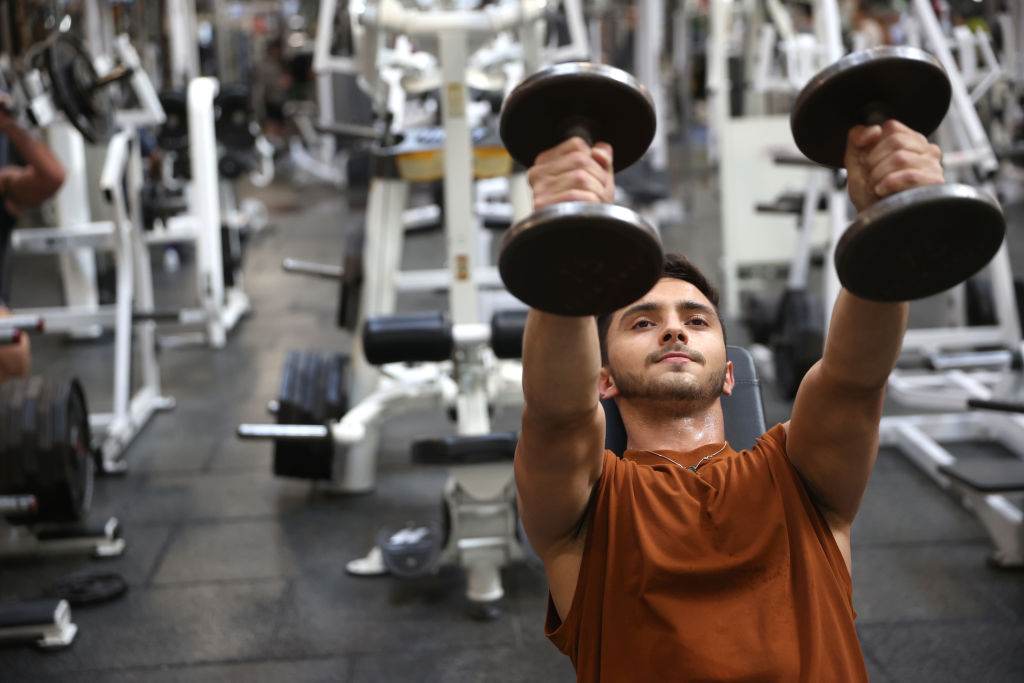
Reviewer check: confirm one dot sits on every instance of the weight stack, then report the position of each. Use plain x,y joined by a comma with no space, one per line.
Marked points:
45,447
312,392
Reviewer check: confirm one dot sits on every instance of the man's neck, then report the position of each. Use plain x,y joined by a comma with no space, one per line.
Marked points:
676,426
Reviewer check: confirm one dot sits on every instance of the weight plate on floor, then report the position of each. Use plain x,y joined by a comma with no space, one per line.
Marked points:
919,242
412,551
89,588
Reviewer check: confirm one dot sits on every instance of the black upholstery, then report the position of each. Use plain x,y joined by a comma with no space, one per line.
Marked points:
743,410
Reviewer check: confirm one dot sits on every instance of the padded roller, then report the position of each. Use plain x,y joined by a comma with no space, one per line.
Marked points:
507,333
410,338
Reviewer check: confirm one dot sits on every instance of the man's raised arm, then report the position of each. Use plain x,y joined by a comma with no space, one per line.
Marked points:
561,446
833,434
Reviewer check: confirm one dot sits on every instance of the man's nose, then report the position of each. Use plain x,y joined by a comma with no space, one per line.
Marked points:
673,332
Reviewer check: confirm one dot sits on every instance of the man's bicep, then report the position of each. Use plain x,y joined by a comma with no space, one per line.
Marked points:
832,441
556,467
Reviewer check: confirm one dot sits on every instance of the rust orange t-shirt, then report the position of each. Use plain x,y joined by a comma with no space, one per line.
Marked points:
728,573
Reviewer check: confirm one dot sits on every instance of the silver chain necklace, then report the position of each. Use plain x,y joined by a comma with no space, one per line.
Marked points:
694,468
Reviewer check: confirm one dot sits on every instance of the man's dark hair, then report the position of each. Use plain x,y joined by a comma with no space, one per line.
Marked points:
679,267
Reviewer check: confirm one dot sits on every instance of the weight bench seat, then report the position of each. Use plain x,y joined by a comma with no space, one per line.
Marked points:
743,410
988,475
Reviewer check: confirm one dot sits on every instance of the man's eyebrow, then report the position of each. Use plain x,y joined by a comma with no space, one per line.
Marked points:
642,307
690,305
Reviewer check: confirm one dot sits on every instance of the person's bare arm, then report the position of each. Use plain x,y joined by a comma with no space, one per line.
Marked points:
16,358
561,446
833,433
41,174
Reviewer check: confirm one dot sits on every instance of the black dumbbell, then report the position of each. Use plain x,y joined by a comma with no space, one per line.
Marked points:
914,243
579,258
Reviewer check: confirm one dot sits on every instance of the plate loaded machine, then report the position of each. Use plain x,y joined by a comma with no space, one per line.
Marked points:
979,390
50,445
450,362
62,66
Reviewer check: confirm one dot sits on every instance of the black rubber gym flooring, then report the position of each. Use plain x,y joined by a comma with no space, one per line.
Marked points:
236,575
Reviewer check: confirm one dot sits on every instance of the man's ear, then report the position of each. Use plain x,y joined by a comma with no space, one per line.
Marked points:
730,381
606,384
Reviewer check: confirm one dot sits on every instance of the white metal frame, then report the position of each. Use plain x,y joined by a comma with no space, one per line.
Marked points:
960,373
222,307
113,431
474,379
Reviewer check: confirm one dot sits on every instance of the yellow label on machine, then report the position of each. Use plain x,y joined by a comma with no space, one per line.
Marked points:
455,95
428,165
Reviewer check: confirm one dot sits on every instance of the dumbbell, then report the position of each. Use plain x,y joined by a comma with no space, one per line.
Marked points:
914,243
579,258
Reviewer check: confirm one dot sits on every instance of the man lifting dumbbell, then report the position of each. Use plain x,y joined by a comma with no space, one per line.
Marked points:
36,178
685,558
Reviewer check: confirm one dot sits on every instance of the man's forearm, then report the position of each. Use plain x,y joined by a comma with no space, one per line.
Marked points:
561,365
864,340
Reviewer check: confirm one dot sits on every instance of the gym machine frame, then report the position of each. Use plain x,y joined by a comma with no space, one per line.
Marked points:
220,306
962,378
121,173
478,497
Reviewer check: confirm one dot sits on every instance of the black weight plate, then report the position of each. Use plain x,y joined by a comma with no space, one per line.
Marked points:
16,483
88,588
72,493
8,464
337,391
611,104
285,398
305,388
315,389
47,452
902,83
350,289
298,388
36,472
303,460
320,393
173,134
579,258
72,76
919,242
